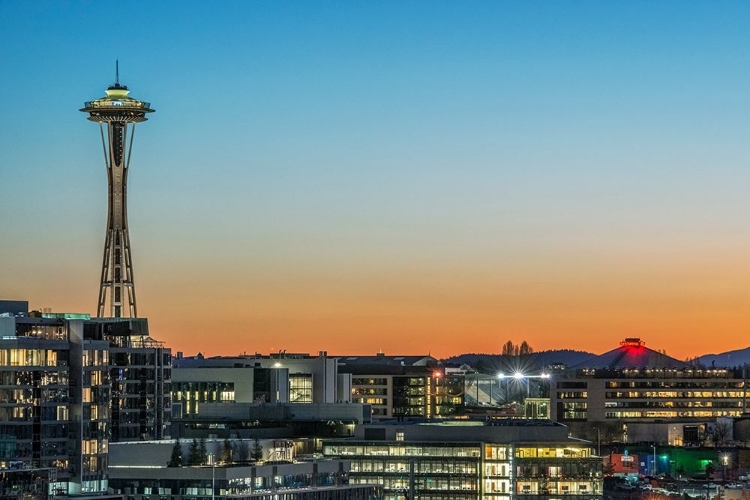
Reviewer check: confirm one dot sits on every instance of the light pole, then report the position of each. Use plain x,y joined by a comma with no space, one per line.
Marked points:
501,377
277,367
520,376
653,467
213,475
598,442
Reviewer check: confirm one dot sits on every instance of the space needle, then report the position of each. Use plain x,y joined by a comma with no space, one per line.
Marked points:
117,114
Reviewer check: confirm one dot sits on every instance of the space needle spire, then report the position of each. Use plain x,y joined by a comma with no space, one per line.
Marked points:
117,114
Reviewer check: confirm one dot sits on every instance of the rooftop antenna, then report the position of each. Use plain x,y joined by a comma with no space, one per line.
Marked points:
117,72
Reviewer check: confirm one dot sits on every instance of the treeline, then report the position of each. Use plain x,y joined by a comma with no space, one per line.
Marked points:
225,453
522,349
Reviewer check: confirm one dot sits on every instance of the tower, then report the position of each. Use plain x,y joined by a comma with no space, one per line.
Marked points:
120,113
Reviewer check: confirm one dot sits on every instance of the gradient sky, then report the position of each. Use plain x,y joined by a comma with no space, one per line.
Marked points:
408,176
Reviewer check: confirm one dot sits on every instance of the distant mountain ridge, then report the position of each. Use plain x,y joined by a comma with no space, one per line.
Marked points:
570,357
728,359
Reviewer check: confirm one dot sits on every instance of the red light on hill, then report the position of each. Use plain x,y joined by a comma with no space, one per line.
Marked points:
632,342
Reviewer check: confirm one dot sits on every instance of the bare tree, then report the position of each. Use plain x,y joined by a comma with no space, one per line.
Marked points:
722,432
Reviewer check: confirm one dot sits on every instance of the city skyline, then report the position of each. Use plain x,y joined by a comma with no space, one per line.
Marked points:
392,176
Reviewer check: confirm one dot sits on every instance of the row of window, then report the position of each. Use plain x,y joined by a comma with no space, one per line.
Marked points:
674,394
422,467
672,414
401,450
673,404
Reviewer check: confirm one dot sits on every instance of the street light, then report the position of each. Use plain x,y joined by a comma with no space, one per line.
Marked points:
277,366
212,460
519,376
653,467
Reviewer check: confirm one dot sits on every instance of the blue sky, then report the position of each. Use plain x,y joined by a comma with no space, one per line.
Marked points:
322,166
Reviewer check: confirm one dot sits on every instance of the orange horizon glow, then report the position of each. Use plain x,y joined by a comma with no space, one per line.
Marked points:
686,308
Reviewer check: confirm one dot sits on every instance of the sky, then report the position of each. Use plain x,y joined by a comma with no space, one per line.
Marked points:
406,177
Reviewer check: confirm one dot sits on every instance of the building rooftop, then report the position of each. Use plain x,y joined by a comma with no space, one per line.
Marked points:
383,360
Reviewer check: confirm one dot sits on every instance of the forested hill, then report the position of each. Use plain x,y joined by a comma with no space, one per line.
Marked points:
490,363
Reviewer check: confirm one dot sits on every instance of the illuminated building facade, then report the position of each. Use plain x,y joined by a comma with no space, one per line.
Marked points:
636,384
495,460
57,403
404,386
54,401
120,113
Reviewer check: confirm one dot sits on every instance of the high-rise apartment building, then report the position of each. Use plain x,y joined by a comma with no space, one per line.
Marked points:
54,400
58,402
140,370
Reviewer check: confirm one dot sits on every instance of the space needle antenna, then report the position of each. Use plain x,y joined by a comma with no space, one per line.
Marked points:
117,72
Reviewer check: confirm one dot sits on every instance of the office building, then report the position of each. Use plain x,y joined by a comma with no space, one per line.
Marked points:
404,386
139,471
469,460
276,378
633,386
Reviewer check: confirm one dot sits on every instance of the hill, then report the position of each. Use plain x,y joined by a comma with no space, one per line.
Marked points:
728,359
489,363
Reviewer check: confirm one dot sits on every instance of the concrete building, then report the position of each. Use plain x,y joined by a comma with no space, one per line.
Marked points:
468,460
278,378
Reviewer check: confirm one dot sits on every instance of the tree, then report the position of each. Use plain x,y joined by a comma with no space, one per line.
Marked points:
710,469
194,456
227,452
525,349
257,452
243,450
680,470
509,349
176,458
722,431
512,350
202,451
